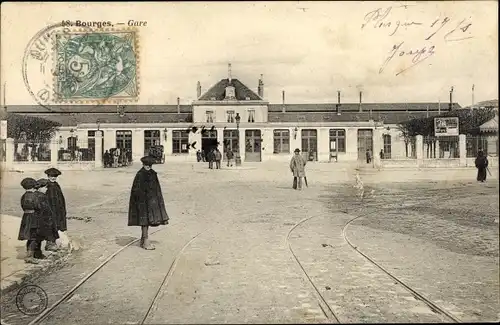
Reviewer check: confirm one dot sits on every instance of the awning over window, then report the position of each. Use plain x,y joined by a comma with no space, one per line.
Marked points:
490,126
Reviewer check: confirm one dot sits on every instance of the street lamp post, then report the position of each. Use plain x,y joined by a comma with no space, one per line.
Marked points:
237,156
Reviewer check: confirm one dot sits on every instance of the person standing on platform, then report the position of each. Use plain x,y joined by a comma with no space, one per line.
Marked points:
211,158
218,158
48,223
230,157
146,205
56,200
28,230
481,165
297,166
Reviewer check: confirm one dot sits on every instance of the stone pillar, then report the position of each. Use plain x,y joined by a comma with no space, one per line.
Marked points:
167,144
109,139
9,152
295,139
324,145
462,150
138,144
192,152
377,146
98,150
267,144
419,147
54,151
351,143
3,129
220,139
242,144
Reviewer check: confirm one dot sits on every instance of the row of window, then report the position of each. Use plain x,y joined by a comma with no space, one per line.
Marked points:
230,116
281,140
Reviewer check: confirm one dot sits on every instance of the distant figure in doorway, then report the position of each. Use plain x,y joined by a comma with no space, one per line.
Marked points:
230,157
211,158
198,155
107,159
481,165
146,205
368,156
297,166
381,153
218,158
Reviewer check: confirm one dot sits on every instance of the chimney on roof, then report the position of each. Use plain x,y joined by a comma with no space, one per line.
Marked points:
229,75
360,99
450,107
338,102
198,90
261,87
178,105
283,98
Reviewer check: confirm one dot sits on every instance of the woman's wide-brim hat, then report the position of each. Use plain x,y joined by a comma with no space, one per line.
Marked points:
297,150
41,183
28,183
53,172
148,161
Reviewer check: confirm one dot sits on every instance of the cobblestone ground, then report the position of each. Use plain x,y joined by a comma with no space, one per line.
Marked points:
240,270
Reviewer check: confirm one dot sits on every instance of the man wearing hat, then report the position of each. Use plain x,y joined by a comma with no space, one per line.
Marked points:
30,221
146,207
48,226
297,166
56,199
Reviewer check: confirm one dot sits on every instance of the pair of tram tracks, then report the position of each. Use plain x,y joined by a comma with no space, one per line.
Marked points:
325,307
163,284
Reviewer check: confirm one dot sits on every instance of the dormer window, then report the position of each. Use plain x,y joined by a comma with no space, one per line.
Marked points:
230,92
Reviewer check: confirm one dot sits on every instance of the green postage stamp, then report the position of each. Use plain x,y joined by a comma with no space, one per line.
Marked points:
96,66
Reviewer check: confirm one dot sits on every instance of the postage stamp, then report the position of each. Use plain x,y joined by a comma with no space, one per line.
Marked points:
89,66
95,66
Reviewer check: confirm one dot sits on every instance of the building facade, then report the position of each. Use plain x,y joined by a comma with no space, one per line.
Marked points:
230,115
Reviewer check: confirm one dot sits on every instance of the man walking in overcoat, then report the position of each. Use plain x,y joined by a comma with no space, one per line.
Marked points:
146,207
297,166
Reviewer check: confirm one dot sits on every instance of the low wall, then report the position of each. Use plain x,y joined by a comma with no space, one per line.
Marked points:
394,163
440,163
492,162
42,165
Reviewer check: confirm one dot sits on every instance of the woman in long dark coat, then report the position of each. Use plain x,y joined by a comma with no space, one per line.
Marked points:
481,165
146,207
48,224
56,199
28,230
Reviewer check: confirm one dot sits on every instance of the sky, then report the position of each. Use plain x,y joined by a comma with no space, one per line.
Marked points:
309,49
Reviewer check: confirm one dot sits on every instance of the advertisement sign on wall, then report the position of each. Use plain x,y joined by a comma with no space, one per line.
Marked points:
445,126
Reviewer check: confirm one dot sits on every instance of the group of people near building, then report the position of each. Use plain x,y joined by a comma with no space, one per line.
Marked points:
117,157
214,157
44,214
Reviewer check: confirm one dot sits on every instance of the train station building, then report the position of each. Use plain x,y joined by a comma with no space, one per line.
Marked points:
233,115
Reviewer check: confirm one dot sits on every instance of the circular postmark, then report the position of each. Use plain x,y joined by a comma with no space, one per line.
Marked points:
31,300
81,66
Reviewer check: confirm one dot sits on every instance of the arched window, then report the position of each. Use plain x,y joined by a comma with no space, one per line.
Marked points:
387,146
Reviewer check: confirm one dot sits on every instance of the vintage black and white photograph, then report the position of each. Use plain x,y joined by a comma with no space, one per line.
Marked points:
249,162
